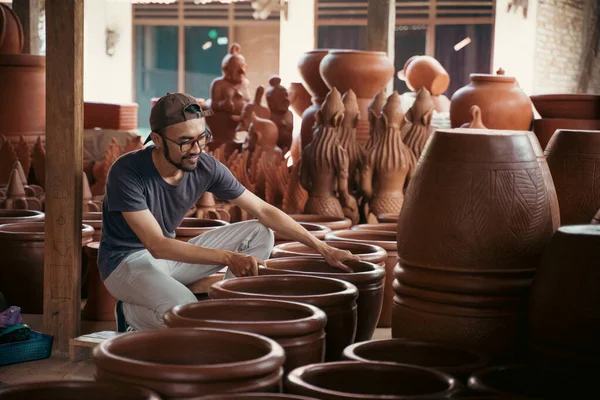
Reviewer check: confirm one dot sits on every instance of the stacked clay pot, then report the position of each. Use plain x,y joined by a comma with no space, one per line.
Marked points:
299,328
20,216
188,362
75,390
335,297
22,263
318,231
333,223
367,277
573,157
387,241
192,227
474,224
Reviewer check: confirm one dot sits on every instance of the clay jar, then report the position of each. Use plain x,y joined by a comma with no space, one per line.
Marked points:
445,357
367,277
255,396
335,297
75,390
386,226
192,227
297,327
12,38
387,241
365,252
318,231
187,362
20,216
573,158
22,263
359,380
504,105
333,223
365,72
474,224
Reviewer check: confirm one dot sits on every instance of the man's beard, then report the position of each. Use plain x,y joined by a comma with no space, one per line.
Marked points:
178,165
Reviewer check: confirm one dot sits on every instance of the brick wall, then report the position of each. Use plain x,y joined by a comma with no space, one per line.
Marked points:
563,28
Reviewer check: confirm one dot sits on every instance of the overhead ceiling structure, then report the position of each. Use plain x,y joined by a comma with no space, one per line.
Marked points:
262,8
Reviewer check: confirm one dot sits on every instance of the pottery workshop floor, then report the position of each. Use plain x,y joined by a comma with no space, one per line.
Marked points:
59,368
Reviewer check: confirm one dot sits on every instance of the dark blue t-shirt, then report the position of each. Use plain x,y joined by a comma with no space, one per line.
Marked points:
134,184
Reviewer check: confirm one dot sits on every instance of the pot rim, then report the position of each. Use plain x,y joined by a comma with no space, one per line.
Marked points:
357,52
402,262
256,395
366,227
25,387
86,231
377,252
390,246
29,215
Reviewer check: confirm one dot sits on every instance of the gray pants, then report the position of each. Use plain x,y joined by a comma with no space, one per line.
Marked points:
149,287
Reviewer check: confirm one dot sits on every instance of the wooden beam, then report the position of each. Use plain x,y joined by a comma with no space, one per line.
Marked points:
64,166
29,14
381,29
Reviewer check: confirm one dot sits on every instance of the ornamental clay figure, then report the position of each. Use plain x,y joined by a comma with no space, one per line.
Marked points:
279,103
348,140
419,115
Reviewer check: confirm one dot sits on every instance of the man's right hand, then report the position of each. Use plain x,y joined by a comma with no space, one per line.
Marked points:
243,265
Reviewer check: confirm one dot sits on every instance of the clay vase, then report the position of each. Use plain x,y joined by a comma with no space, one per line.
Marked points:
365,72
75,390
573,157
187,362
426,72
387,226
255,396
472,230
335,297
365,252
19,216
318,231
387,218
564,324
370,381
333,223
504,105
12,38
387,241
446,357
100,304
22,263
192,227
367,277
300,99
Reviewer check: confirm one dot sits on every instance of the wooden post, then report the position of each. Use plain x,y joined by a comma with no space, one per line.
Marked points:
29,14
381,29
64,168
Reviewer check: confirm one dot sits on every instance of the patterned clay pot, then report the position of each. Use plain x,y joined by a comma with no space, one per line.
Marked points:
75,390
20,216
367,277
335,297
370,381
297,327
386,226
318,231
365,252
192,227
187,362
333,223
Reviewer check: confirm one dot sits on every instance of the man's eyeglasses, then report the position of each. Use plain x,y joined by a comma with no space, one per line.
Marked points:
186,146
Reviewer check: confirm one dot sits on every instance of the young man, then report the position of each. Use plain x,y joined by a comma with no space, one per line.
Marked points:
147,195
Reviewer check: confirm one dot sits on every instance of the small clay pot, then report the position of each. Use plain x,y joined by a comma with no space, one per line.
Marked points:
386,218
75,390
192,227
365,252
445,357
388,226
297,327
18,216
333,223
360,380
255,396
568,106
187,362
318,231
335,297
367,277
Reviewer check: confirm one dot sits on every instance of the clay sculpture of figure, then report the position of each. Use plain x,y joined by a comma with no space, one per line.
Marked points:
420,116
324,164
388,165
476,123
348,141
374,110
241,131
279,103
16,197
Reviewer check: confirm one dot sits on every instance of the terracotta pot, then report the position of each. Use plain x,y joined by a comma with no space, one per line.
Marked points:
569,106
256,396
186,362
365,252
22,263
300,99
386,226
335,297
94,219
365,72
100,304
445,357
504,105
367,277
387,218
545,128
333,223
318,231
358,380
19,216
573,157
387,241
427,72
192,227
75,390
475,221
12,38
297,327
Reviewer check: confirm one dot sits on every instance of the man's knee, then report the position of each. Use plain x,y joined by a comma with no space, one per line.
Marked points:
266,236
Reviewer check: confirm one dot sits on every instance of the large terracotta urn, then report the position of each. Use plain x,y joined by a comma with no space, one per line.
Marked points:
504,105
476,219
335,297
192,227
348,380
367,277
75,390
19,216
318,231
180,363
364,251
297,327
333,223
365,72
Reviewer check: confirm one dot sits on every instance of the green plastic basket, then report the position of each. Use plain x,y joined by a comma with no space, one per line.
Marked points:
38,347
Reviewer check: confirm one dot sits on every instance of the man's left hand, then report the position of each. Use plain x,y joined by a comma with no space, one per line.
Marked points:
336,257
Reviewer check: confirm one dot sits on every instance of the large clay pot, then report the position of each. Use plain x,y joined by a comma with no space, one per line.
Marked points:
445,357
297,327
386,226
387,241
335,297
333,223
365,252
255,396
472,230
191,227
359,380
367,277
318,231
19,216
22,263
544,128
75,390
564,322
504,105
568,106
186,362
12,38
100,304
300,99
573,157
365,72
